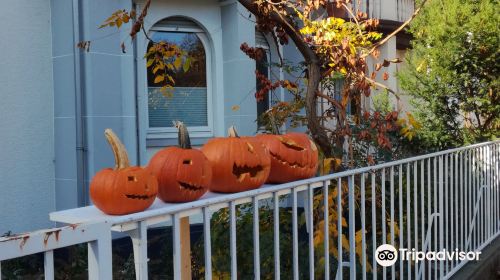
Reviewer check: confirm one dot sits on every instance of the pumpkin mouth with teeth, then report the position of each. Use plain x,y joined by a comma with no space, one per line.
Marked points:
191,187
284,162
239,163
241,171
140,196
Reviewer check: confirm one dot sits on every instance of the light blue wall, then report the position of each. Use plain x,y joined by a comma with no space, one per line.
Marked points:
239,70
105,78
26,116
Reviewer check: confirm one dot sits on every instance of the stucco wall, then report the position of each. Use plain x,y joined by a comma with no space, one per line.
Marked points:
26,116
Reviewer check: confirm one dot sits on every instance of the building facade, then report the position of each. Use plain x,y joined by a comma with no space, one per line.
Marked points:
58,99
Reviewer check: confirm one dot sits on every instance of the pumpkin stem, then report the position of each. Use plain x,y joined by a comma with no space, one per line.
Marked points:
184,141
121,157
232,132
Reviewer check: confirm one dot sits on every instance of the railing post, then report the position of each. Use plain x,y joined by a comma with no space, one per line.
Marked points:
185,248
139,238
48,265
441,218
99,257
352,229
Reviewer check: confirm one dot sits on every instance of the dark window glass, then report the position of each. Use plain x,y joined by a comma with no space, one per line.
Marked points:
262,105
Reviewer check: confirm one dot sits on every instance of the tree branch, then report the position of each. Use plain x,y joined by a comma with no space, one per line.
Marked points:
388,37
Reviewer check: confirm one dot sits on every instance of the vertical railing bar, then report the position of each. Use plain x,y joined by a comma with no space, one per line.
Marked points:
474,181
415,208
326,232
276,236
232,240
490,188
339,228
363,228
494,177
436,210
408,215
462,202
452,209
448,196
479,185
383,218
310,196
441,223
422,208
352,228
429,206
469,195
401,223
393,268
256,241
374,225
445,210
455,191
48,265
295,240
208,243
176,227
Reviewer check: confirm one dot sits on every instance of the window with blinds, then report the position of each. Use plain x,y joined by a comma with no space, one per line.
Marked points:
187,102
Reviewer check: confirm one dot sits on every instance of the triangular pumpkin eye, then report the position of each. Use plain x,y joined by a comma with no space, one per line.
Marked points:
132,179
187,161
292,145
250,147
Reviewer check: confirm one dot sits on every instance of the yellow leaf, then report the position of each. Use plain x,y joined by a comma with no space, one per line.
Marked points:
159,79
235,107
150,62
359,236
178,62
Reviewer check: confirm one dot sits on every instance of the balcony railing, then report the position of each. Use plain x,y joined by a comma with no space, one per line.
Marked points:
442,201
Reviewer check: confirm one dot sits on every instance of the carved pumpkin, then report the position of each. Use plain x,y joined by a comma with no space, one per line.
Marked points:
238,164
124,189
184,174
293,156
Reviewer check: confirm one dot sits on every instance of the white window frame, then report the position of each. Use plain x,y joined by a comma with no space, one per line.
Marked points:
195,131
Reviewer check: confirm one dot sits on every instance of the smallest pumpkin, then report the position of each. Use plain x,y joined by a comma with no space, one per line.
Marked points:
184,174
124,189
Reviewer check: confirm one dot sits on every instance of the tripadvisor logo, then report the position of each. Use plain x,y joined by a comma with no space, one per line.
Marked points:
387,255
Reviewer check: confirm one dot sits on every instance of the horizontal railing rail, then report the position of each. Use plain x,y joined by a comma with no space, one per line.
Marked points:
97,236
331,226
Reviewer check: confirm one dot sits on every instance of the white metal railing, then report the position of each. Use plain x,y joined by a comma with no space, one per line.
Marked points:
446,200
97,236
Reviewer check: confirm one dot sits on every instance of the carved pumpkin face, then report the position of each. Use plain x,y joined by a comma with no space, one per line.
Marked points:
124,189
238,164
184,174
293,156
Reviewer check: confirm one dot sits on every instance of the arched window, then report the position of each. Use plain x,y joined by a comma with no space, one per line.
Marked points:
189,100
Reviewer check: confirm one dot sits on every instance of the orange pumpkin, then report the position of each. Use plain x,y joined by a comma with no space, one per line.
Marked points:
123,189
293,156
184,174
238,164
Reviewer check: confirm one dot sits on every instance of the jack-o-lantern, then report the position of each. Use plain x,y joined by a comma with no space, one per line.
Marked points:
183,173
124,189
293,156
238,164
